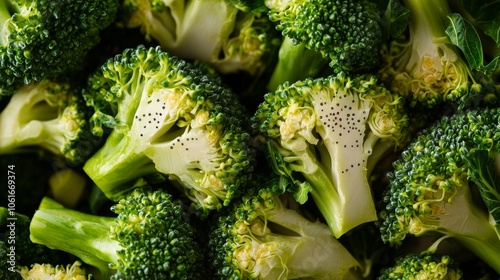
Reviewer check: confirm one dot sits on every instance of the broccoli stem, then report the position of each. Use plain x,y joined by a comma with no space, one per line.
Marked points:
463,220
83,235
117,163
304,243
295,62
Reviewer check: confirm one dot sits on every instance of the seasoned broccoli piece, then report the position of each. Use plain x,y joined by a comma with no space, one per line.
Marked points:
41,39
150,238
431,191
168,116
265,236
328,134
347,34
425,265
51,115
58,272
213,31
424,66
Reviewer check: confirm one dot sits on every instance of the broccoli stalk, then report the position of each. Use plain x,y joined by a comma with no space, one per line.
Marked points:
264,236
429,189
150,238
215,32
167,116
50,115
322,133
426,68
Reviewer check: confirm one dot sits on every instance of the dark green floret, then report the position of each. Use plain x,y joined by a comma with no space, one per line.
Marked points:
49,115
431,190
150,238
327,135
344,35
41,39
168,116
266,236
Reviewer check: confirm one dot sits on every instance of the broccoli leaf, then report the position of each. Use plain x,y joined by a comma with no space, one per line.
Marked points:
482,172
464,35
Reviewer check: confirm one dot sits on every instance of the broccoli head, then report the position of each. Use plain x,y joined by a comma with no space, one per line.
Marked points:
216,32
265,236
431,189
168,116
327,134
347,34
49,115
42,39
150,238
424,65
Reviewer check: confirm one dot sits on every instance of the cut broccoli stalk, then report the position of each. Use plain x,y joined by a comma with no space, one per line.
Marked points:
264,236
83,235
429,189
49,115
215,32
150,237
322,132
426,68
171,117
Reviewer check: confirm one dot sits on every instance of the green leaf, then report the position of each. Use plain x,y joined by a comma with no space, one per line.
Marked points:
462,34
482,172
486,13
395,19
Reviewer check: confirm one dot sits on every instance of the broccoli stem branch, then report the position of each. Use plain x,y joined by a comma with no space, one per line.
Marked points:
295,62
305,243
464,221
83,235
110,167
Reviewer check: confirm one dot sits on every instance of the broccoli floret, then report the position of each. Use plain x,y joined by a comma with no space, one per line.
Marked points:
168,116
430,192
216,32
425,265
424,66
328,134
51,115
58,272
41,39
347,34
150,238
265,236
